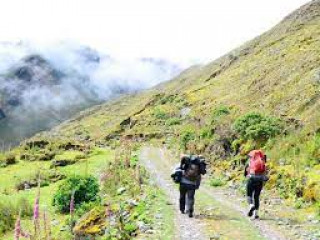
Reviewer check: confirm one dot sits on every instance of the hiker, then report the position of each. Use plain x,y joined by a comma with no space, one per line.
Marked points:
256,172
188,175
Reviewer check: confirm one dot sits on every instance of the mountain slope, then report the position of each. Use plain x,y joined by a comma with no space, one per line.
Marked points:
277,73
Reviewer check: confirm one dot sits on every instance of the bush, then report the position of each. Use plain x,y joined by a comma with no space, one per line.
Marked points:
160,114
206,132
173,121
313,150
7,159
187,136
257,127
220,111
85,190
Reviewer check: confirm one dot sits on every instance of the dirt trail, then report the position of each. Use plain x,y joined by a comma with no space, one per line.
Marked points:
232,215
186,228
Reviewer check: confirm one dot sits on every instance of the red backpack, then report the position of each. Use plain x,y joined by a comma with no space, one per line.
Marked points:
257,163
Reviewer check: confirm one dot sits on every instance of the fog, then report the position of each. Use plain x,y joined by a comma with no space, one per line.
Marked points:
72,77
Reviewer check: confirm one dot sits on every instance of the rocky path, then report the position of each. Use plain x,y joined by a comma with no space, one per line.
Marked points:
186,228
228,219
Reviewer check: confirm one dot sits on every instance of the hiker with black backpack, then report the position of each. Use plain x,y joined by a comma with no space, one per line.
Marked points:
256,173
188,175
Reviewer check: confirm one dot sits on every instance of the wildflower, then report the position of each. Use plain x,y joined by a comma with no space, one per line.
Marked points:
72,203
17,229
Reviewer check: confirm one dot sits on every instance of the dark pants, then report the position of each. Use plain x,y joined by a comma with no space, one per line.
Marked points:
187,193
254,188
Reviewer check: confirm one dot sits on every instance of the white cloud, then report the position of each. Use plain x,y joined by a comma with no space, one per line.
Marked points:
180,30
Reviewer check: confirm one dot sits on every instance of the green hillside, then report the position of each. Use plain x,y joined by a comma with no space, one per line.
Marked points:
276,74
264,94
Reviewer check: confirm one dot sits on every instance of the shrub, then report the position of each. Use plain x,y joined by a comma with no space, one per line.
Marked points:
85,190
7,159
187,136
257,127
206,132
173,121
313,150
160,114
220,111
310,193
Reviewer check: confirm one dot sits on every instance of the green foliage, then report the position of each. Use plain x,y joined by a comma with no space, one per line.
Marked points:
10,209
134,160
217,182
7,159
299,204
257,126
187,135
87,206
206,132
160,114
85,190
173,121
116,176
220,111
289,185
313,150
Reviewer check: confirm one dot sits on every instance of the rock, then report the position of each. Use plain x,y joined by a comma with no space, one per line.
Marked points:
55,222
185,112
316,78
121,190
132,202
64,228
282,162
61,163
92,223
150,231
143,227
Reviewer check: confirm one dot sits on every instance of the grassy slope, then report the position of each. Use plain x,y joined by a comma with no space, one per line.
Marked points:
278,73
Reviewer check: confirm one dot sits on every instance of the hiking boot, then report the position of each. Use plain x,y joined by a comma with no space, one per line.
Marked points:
182,211
251,210
190,214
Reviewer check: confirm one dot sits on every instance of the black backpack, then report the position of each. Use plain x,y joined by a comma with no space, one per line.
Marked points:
193,164
177,175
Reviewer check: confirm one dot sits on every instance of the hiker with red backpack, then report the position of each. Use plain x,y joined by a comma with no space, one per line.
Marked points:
188,175
256,173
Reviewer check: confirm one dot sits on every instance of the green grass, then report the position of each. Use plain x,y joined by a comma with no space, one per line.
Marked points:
217,182
92,165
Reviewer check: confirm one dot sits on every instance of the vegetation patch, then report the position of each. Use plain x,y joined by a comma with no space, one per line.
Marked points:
83,189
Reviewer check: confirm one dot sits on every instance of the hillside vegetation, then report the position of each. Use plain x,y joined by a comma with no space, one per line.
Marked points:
264,94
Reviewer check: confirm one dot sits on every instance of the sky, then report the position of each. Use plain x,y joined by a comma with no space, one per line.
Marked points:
183,31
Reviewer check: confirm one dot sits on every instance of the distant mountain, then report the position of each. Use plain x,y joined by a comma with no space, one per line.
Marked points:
43,89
